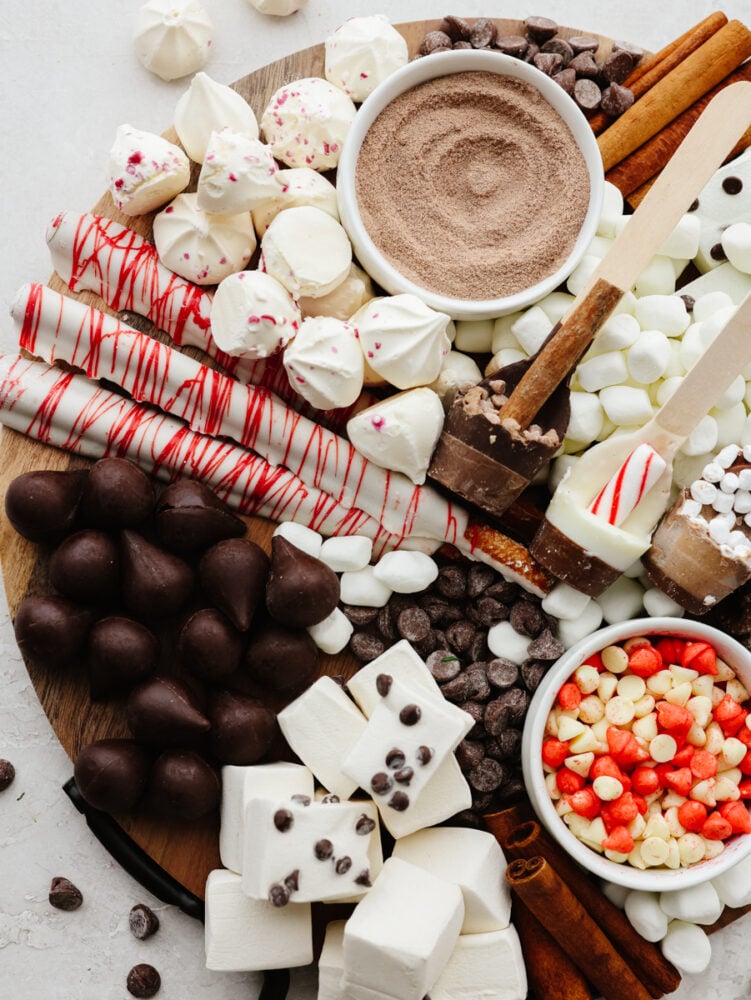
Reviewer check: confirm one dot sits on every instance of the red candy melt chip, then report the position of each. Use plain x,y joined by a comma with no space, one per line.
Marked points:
605,765
554,752
674,719
671,649
703,765
620,840
585,803
700,656
645,780
569,781
745,764
716,827
645,661
737,816
744,787
729,714
683,757
569,697
595,660
680,780
692,815
620,811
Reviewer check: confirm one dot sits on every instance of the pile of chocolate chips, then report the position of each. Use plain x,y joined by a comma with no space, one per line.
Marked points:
155,597
572,63
447,625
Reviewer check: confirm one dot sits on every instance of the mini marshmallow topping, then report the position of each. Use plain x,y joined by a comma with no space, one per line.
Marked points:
252,315
173,37
206,107
145,171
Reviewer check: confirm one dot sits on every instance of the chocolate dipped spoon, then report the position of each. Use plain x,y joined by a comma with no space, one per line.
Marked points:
492,447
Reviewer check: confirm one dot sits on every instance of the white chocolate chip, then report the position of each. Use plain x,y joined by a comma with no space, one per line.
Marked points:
607,788
662,748
619,711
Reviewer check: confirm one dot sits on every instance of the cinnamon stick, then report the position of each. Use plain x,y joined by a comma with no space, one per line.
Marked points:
551,974
658,975
686,83
562,914
650,71
647,161
729,916
501,823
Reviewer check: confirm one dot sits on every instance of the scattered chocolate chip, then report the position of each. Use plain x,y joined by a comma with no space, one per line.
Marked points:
330,799
732,185
301,800
462,45
399,801
64,895
413,624
323,849
381,783
292,881
343,865
143,922
383,684
424,755
283,820
279,895
364,878
410,715
502,673
512,45
456,28
460,636
7,774
717,252
487,775
116,494
479,578
143,981
560,47
497,717
443,665
585,65
532,50
635,51
517,702
404,775
435,41
483,33
477,711
359,616
617,66
477,680
42,505
456,690
482,801
489,611
510,742
587,95
364,825
395,758
616,100
532,672
451,582
540,29
386,624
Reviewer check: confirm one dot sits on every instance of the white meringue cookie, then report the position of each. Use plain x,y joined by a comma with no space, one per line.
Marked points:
346,299
296,186
307,251
401,432
404,341
145,171
238,173
279,8
206,107
362,53
173,37
324,363
306,123
201,247
252,315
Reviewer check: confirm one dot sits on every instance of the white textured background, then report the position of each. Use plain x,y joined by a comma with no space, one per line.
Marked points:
68,78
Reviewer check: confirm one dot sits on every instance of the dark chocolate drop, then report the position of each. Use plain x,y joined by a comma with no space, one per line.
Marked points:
111,775
209,646
121,652
117,494
233,575
190,517
155,583
163,711
42,505
183,786
51,630
282,659
301,590
86,567
242,728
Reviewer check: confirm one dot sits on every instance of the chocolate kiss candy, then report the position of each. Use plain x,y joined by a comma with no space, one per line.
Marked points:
209,646
282,659
301,590
163,711
42,505
155,583
51,630
233,574
182,785
190,517
86,567
242,728
111,774
117,494
121,652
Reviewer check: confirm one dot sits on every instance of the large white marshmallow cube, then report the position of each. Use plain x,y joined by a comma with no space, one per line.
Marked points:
687,947
306,852
403,663
698,904
492,963
734,886
239,786
400,937
331,963
321,726
249,935
473,859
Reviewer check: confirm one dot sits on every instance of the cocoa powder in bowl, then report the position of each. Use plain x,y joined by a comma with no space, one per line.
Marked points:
472,185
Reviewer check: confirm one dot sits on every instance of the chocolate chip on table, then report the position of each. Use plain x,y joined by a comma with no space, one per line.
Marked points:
477,711
63,895
483,33
143,922
566,80
486,776
456,28
587,95
540,29
617,66
517,702
460,635
583,43
366,647
532,672
635,51
399,801
413,624
545,647
452,582
381,783
443,664
386,624
435,41
482,802
502,673
509,743
503,591
479,578
512,45
585,65
497,717
616,100
488,611
144,981
410,715
439,610
7,774
477,681
527,619
559,46
549,63
359,617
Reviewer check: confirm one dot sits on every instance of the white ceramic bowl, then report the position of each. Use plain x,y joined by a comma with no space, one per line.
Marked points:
428,68
651,879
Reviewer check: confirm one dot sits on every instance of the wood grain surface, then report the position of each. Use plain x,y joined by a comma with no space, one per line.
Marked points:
188,853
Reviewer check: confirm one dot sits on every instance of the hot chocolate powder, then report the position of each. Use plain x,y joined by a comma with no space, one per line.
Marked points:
472,185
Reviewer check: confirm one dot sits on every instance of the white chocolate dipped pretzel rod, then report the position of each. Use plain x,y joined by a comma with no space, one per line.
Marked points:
73,413
57,328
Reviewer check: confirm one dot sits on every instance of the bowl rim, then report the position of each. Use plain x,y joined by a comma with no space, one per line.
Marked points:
445,64
651,879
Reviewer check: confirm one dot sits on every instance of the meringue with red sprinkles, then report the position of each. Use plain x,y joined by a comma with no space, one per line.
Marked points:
145,171
206,107
362,52
306,123
307,251
253,316
173,38
238,173
324,363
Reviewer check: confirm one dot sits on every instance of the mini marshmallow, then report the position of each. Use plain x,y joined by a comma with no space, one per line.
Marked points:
333,633
658,604
611,211
572,630
474,336
506,356
346,553
362,588
564,602
687,947
301,537
622,600
324,363
145,171
600,245
503,640
730,423
249,935
649,356
657,278
457,370
474,861
531,329
362,53
710,303
618,332
602,370
306,251
698,904
703,438
331,963
626,405
586,417
320,726
646,915
239,785
492,963
306,123
402,662
253,315
683,242
733,394
581,274
734,886
662,312
400,937
406,572
555,306
617,894
208,106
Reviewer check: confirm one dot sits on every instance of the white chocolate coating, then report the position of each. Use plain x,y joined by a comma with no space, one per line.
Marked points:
145,171
206,107
252,315
296,186
324,363
306,123
362,53
307,251
279,8
173,37
238,173
200,247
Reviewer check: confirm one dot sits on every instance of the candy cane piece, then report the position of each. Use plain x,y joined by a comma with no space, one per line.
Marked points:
623,491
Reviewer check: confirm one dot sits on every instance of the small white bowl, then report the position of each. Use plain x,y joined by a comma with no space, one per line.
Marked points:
444,64
651,879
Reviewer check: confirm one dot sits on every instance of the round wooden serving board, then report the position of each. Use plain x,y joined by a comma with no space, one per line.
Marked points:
189,852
